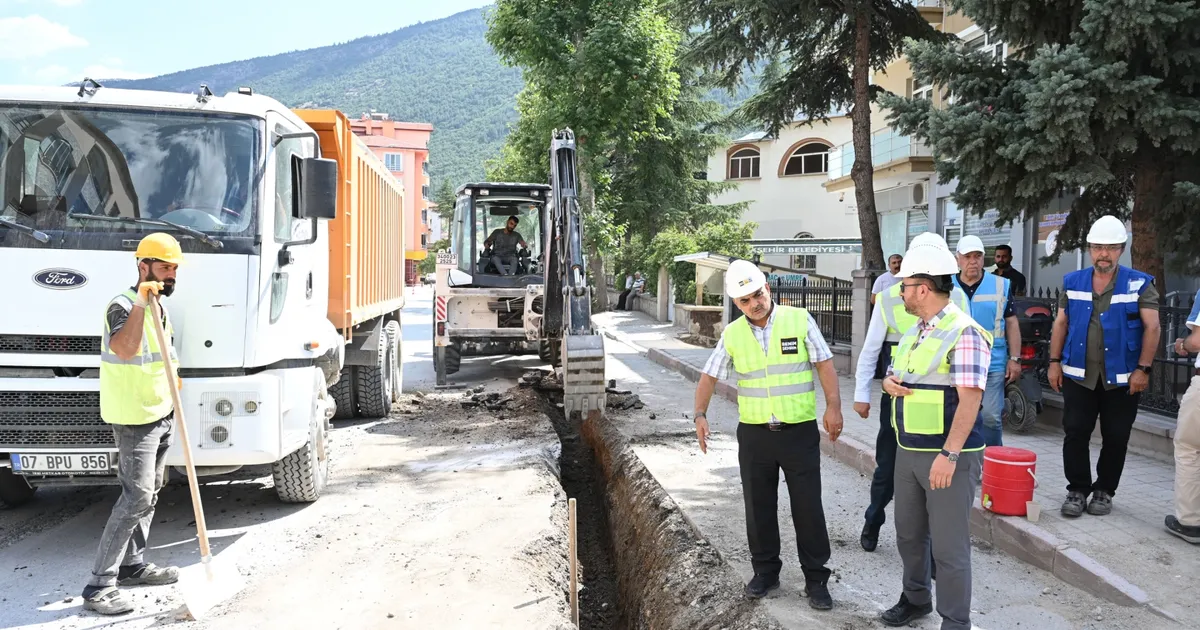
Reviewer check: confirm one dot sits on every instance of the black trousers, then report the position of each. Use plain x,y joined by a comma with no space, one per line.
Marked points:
883,481
1117,410
762,453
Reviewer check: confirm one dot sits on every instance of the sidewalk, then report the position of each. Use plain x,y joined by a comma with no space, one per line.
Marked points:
1126,557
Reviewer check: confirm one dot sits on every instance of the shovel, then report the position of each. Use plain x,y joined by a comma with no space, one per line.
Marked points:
213,582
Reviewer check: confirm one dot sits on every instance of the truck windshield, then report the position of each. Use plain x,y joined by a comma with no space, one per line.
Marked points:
87,177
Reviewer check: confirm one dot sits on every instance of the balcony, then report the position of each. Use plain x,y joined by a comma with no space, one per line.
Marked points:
931,10
892,154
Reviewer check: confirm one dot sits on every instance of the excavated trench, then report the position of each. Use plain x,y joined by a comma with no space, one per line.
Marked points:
644,566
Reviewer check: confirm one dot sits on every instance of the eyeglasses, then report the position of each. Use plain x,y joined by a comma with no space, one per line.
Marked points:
1106,248
904,285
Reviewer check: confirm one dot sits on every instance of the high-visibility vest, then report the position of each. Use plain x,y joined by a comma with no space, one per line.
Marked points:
778,383
898,320
922,419
987,309
136,390
1121,323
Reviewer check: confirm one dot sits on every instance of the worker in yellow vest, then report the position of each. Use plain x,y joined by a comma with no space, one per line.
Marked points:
936,381
774,351
135,398
889,321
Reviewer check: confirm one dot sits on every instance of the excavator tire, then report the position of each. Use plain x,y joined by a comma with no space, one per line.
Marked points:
343,395
14,490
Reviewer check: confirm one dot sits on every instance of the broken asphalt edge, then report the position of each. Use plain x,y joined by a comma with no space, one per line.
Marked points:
1015,536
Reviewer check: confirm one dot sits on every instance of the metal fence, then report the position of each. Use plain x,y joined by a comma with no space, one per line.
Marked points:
1171,375
826,299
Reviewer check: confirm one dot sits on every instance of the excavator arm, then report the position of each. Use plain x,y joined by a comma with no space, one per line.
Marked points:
568,297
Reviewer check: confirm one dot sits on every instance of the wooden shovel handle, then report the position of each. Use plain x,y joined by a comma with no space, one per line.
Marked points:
165,349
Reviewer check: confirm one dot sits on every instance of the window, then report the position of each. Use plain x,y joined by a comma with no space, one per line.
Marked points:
425,192
394,162
806,263
988,44
425,217
425,168
919,91
810,158
743,164
287,160
423,239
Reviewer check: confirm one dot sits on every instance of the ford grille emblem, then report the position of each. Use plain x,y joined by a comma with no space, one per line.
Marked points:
60,279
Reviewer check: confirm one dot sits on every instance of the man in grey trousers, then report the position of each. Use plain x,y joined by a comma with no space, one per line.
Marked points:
135,398
936,380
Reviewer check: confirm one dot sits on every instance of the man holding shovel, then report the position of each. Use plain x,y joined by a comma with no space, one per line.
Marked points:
135,398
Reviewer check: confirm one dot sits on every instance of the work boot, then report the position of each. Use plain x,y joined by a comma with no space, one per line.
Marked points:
147,574
818,595
1190,533
760,584
106,600
1073,506
904,612
869,538
1100,504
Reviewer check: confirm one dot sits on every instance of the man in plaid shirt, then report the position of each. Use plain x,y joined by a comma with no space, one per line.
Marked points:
937,378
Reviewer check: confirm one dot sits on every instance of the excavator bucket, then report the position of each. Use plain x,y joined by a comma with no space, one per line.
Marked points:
583,374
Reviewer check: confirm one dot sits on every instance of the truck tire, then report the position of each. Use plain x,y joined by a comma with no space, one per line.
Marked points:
373,383
301,477
395,342
342,393
453,357
14,490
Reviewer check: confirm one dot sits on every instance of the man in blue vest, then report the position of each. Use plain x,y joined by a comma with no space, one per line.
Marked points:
991,307
1104,341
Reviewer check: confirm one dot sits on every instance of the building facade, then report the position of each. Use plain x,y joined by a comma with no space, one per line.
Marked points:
781,178
404,149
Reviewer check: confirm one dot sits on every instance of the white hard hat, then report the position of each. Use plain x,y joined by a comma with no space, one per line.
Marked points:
970,243
743,278
1108,230
929,238
928,259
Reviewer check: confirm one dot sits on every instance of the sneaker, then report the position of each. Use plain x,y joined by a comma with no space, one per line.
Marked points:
1190,533
760,584
108,600
1073,506
904,612
869,538
147,574
1100,504
818,595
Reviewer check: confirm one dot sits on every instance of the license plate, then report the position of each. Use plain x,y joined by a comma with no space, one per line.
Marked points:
62,463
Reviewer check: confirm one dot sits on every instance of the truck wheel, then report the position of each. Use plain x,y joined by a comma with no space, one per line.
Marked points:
302,475
14,490
342,393
453,357
394,350
373,383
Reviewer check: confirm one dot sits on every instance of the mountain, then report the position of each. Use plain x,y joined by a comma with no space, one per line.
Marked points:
441,72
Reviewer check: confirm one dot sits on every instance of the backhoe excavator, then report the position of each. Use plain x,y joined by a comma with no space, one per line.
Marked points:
500,292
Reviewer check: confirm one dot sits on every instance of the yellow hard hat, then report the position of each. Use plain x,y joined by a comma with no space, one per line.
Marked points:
160,246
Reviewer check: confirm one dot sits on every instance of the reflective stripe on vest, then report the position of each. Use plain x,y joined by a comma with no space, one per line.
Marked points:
1121,324
780,382
898,320
922,420
135,390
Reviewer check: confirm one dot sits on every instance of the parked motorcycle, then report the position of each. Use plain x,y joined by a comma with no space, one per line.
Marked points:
1023,398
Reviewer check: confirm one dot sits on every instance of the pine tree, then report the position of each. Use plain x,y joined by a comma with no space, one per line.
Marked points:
1096,98
815,56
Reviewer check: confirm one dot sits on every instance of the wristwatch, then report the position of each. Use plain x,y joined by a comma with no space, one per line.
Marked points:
699,414
950,456
1015,359
1146,368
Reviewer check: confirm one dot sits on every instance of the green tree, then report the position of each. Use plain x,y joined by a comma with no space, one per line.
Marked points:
1097,99
444,198
816,57
727,237
429,263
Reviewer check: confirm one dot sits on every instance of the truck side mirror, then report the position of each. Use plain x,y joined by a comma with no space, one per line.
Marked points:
317,188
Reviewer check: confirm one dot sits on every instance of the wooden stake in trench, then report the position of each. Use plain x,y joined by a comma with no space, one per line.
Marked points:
574,562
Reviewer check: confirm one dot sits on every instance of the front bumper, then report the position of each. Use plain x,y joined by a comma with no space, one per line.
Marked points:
231,421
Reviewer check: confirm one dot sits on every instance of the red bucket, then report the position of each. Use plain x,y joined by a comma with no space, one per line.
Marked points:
1008,479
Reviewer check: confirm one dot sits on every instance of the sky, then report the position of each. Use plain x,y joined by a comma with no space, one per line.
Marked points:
51,42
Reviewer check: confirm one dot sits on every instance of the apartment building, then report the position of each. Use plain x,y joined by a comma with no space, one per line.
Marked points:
404,149
781,178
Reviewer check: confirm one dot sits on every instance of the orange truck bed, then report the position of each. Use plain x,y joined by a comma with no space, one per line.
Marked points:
366,239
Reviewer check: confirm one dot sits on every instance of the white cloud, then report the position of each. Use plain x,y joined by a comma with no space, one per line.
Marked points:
58,74
34,36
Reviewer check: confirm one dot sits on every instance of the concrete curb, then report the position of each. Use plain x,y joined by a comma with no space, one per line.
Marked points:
1015,536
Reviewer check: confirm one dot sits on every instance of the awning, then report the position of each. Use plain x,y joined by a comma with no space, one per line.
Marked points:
415,254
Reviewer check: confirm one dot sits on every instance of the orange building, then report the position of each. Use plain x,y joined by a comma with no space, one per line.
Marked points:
404,149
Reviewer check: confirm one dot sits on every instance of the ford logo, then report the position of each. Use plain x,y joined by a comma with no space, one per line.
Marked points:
60,279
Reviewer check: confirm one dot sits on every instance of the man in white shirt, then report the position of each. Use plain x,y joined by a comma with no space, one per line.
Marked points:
1185,522
888,278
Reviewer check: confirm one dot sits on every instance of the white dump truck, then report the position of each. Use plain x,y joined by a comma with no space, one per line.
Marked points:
286,311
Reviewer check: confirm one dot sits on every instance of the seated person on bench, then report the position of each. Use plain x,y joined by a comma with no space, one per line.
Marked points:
503,242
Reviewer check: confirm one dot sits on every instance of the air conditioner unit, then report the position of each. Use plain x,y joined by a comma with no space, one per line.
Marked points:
918,194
